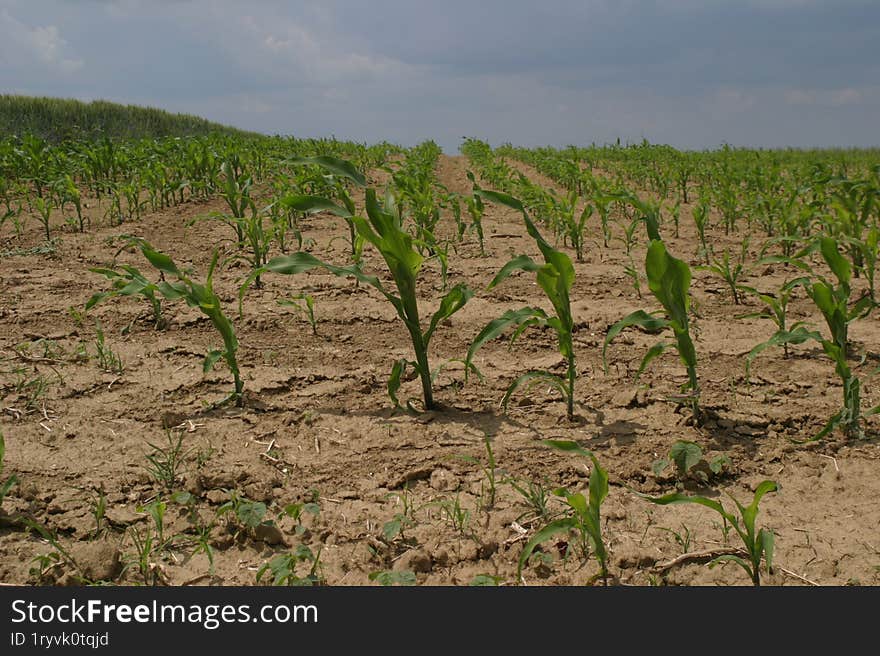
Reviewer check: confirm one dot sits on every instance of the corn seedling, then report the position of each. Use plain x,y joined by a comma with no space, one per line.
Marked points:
582,518
833,301
338,171
555,277
701,220
476,209
669,280
730,272
129,281
384,231
758,545
572,222
199,296
68,192
98,512
44,207
304,304
777,312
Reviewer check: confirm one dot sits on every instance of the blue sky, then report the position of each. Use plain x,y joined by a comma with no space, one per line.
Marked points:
694,74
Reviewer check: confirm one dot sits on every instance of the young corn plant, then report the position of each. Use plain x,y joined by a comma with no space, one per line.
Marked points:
572,222
306,307
44,207
758,545
129,281
339,171
555,277
582,518
669,280
777,312
383,229
203,297
730,272
701,220
833,301
476,209
68,192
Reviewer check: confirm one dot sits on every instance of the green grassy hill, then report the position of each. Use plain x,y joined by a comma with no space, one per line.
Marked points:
56,119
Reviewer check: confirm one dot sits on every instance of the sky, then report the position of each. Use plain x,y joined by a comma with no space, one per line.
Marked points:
694,74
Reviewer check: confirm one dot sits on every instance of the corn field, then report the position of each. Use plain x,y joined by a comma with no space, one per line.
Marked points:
253,360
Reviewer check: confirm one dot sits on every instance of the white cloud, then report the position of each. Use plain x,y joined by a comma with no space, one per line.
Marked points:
21,46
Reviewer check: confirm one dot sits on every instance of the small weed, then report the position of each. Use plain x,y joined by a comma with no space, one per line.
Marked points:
283,568
390,577
108,360
166,460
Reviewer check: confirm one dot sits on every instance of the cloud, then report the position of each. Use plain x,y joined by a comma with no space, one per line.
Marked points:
21,46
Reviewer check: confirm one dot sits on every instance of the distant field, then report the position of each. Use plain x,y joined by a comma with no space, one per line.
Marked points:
55,119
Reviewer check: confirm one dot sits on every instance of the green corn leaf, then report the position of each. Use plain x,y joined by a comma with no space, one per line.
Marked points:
838,264
500,198
160,260
654,352
669,280
97,298
598,487
639,318
534,377
766,543
797,335
750,512
568,446
172,291
521,263
313,204
394,380
578,503
338,167
302,262
496,327
678,497
454,300
211,360
553,528
732,558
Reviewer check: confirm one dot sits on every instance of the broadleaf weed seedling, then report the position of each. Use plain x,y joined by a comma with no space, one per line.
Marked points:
283,568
